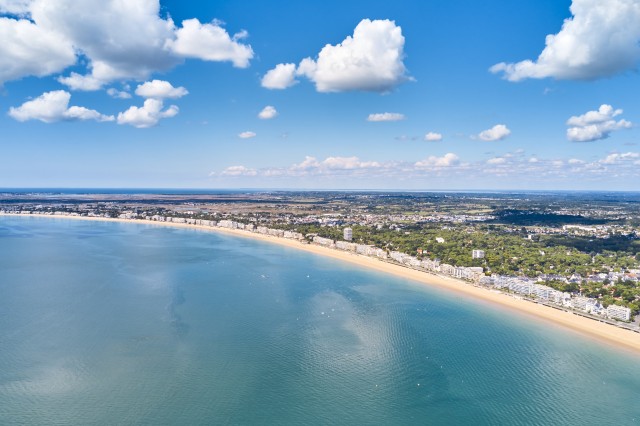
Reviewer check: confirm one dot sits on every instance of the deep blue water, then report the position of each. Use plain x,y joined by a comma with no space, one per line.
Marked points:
108,323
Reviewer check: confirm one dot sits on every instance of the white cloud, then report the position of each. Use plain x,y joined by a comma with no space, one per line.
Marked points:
210,42
601,39
120,40
148,115
616,158
433,137
433,161
307,164
370,60
159,89
268,113
247,135
281,77
15,7
118,94
512,166
85,83
595,125
347,163
386,116
239,171
496,133
54,106
329,164
496,160
27,49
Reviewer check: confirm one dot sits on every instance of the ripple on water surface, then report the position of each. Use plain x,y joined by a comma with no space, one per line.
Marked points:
104,323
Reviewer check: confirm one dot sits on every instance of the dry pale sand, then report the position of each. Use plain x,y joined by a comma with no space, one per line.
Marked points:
604,333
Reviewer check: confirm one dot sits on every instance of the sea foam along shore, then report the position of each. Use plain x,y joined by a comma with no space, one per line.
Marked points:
604,333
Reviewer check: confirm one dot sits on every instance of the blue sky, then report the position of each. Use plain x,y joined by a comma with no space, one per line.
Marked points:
422,95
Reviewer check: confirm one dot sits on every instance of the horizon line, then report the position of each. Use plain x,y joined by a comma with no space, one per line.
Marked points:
285,189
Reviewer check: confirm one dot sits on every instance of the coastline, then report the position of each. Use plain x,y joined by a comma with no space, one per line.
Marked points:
587,327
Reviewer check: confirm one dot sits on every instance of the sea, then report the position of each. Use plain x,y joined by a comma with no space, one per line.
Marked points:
105,323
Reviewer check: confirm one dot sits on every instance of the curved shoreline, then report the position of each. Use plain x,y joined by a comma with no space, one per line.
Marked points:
604,333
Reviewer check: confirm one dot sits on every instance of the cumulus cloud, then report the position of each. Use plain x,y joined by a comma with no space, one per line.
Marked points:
600,39
306,164
239,171
29,50
280,77
54,106
370,60
159,89
616,158
120,41
496,133
511,165
247,135
386,116
210,42
268,113
496,160
433,137
148,115
595,125
312,165
347,163
15,7
118,94
447,160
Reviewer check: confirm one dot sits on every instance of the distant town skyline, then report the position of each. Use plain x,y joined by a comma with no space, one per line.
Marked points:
436,95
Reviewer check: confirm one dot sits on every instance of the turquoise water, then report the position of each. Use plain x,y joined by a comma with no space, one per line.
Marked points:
107,323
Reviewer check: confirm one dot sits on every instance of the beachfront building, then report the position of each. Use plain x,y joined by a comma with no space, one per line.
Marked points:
344,245
580,303
371,251
229,224
326,242
293,235
521,287
544,292
618,312
477,254
348,234
430,265
275,232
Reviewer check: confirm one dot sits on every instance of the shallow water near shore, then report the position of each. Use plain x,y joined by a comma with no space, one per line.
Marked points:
111,323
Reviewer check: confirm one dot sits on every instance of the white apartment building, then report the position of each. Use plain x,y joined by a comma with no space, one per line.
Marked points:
618,312
580,303
477,254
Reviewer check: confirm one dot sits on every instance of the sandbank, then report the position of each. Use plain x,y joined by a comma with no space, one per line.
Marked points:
602,332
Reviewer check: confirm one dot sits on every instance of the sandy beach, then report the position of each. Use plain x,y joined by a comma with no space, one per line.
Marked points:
602,332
